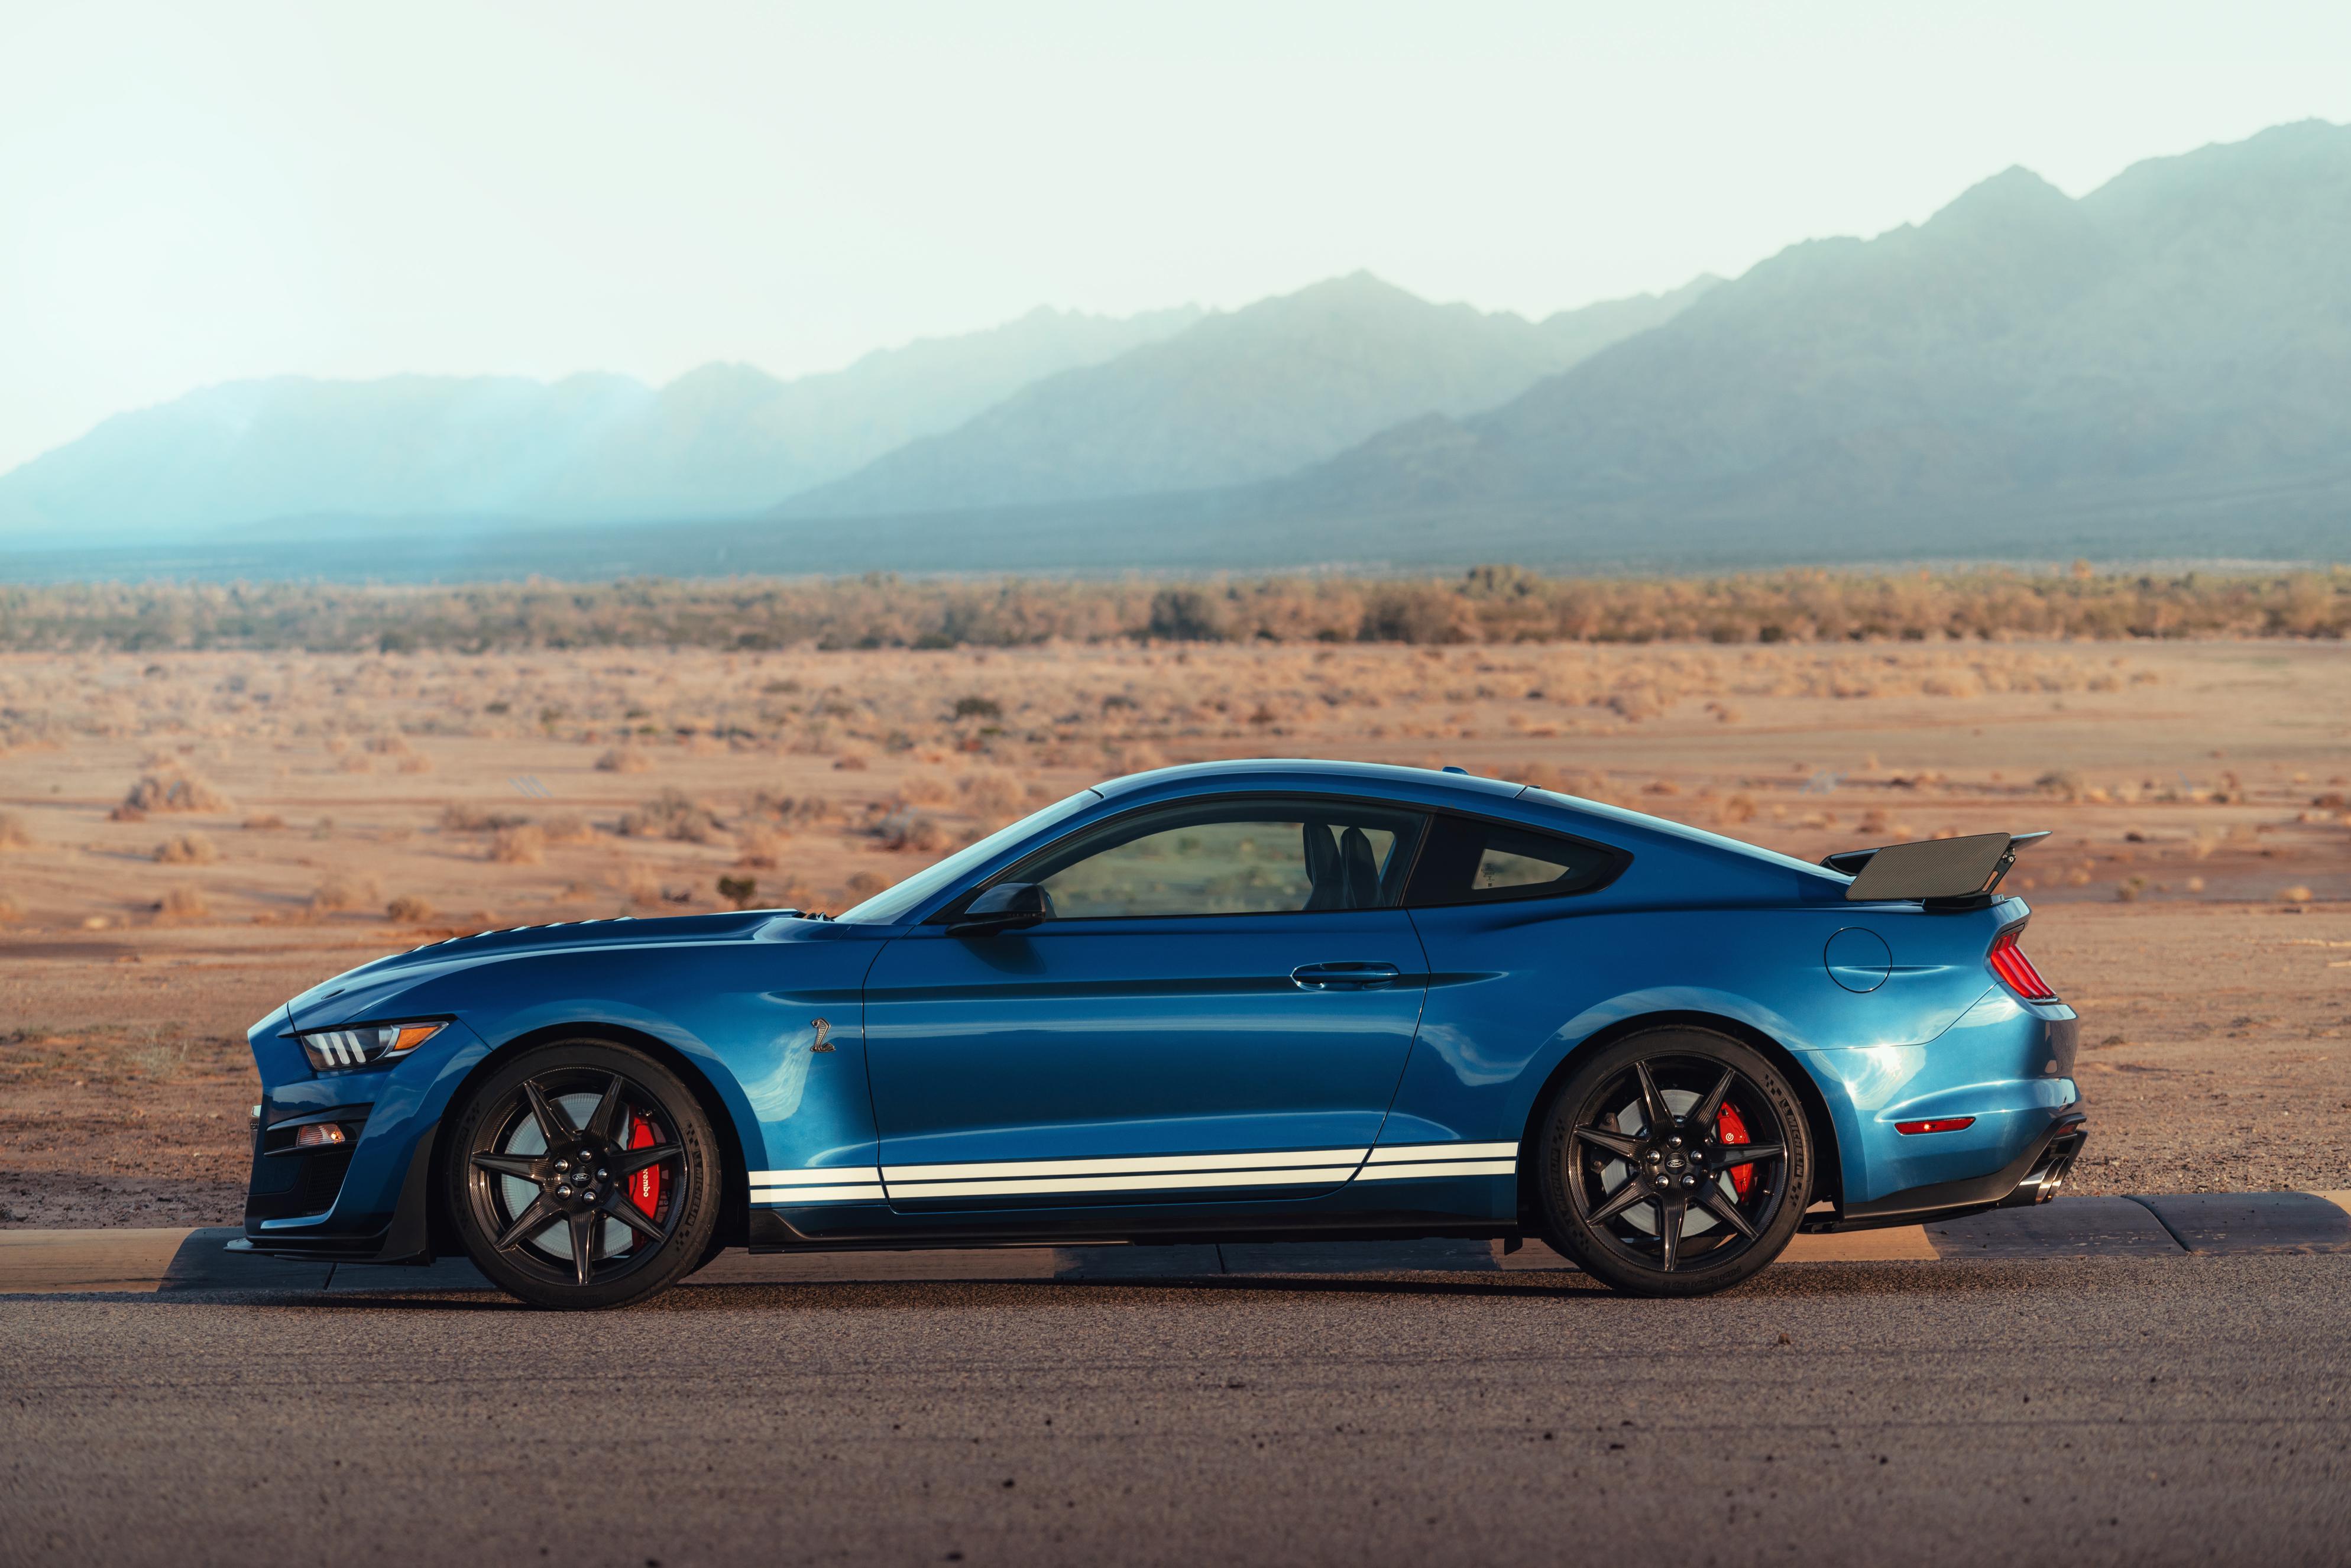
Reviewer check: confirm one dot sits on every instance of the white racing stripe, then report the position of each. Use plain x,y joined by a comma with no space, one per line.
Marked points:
1439,1169
1121,1164
1132,1172
1393,1152
1164,1181
820,1176
823,1183
866,1194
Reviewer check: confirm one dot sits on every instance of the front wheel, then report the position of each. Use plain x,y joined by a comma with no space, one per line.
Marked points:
583,1174
1675,1162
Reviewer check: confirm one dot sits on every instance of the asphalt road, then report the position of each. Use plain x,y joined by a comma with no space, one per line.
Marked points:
2104,1410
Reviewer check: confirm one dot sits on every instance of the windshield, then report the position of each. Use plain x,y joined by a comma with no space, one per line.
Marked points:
894,905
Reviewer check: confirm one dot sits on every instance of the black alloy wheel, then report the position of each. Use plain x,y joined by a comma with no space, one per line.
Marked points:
1675,1162
583,1174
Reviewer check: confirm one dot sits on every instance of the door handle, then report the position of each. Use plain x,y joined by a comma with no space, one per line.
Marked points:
1344,976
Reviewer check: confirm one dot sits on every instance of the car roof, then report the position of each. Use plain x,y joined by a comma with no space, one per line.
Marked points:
1308,773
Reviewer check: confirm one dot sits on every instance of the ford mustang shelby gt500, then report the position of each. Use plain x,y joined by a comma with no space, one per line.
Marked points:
1236,1000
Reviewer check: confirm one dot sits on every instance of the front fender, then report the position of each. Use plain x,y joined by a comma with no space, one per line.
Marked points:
742,1014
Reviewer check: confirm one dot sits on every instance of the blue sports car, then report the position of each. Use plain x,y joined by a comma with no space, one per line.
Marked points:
1247,999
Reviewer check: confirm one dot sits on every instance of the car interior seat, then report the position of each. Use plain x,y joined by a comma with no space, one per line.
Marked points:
1361,872
1324,869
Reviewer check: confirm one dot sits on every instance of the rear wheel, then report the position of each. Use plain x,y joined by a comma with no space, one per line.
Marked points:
583,1174
1675,1163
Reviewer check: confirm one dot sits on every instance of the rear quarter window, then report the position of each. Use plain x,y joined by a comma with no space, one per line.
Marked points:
1467,860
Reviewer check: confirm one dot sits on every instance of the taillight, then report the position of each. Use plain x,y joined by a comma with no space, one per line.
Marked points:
2008,962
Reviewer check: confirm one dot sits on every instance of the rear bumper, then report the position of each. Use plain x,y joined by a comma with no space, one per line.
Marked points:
2033,1177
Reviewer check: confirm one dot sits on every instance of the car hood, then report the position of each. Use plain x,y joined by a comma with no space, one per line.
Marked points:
368,990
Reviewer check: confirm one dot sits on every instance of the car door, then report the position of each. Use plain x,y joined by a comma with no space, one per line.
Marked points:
1218,1010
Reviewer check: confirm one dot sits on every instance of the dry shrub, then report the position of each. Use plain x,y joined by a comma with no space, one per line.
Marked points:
415,762
911,830
672,815
14,834
865,884
388,745
739,890
2295,894
795,810
569,827
1493,604
855,758
264,822
464,819
2063,783
994,793
408,909
182,901
522,845
354,762
794,894
639,882
345,890
926,787
187,849
759,846
1738,809
10,909
625,760
172,792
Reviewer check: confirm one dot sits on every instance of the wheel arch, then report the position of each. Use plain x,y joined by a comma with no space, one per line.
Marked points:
735,1204
1828,1180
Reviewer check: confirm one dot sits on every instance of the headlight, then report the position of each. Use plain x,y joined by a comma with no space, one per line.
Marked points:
340,1050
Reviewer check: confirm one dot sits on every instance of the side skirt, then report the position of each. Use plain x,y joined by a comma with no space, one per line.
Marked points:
771,1231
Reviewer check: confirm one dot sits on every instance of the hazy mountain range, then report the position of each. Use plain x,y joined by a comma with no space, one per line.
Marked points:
721,440
2162,366
1247,396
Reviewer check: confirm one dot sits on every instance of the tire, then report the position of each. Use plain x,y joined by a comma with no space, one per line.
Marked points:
608,1151
1639,1180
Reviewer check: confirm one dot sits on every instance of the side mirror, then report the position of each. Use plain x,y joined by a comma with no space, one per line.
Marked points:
1007,907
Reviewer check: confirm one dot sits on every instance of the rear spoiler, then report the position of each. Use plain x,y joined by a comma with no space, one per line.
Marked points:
1943,874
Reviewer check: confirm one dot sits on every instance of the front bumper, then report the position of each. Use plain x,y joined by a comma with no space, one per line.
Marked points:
364,1199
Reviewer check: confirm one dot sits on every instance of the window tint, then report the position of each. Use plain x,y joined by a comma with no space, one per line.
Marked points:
1240,857
1468,862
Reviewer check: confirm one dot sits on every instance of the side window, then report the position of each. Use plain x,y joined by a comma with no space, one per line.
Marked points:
1236,857
1471,862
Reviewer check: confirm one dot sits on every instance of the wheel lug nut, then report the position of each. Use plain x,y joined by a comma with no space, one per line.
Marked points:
1673,1143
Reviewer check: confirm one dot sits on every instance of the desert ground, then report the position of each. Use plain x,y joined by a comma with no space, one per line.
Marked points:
188,838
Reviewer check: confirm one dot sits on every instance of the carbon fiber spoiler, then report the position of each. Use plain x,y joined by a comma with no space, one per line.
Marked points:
1943,874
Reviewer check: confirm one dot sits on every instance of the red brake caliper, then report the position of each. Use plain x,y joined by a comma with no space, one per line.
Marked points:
1732,1129
644,1187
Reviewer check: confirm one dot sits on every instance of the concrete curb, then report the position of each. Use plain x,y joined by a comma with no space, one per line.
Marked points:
2255,1221
47,1262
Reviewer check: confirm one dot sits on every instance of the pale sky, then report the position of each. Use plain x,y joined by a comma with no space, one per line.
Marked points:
192,193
